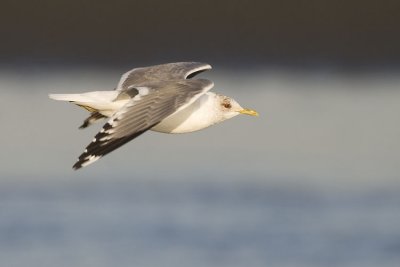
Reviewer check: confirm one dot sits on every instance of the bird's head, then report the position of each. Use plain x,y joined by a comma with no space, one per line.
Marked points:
230,108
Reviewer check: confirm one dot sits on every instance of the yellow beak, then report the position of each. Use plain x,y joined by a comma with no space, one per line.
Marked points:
248,112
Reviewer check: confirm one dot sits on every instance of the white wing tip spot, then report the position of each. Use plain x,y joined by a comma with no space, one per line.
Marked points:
143,90
105,138
90,159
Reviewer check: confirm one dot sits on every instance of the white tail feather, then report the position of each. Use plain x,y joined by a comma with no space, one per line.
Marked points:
102,101
98,96
64,97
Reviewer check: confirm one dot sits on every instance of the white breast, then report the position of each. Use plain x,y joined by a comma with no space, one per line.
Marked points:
199,115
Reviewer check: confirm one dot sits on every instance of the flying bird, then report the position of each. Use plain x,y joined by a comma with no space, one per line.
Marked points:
162,98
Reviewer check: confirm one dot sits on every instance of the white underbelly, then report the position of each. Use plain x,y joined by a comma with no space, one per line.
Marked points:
193,118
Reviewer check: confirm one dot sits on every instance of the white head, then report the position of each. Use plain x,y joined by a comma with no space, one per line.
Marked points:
209,109
230,108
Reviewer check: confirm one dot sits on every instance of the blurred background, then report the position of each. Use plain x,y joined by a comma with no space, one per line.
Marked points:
313,181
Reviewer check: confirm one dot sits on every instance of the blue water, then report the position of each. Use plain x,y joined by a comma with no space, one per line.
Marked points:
137,223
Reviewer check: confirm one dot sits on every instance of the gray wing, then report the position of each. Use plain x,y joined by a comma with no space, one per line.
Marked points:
164,72
150,106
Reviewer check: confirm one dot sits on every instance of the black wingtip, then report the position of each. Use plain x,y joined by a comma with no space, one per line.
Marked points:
84,125
77,166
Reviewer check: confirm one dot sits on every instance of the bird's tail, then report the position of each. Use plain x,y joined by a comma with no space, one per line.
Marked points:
100,104
67,97
92,101
82,100
90,97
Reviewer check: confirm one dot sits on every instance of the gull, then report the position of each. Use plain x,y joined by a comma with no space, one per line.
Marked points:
162,98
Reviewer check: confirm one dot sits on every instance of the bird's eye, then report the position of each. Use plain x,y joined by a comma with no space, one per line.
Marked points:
227,105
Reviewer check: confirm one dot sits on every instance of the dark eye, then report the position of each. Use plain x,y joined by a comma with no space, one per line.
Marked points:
227,105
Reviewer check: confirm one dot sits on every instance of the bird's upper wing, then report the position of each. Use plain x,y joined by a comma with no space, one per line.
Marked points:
164,72
147,108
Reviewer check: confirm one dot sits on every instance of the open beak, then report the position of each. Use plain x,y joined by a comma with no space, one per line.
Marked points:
248,112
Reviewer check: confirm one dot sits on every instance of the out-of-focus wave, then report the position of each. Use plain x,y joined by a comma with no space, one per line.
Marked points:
195,224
